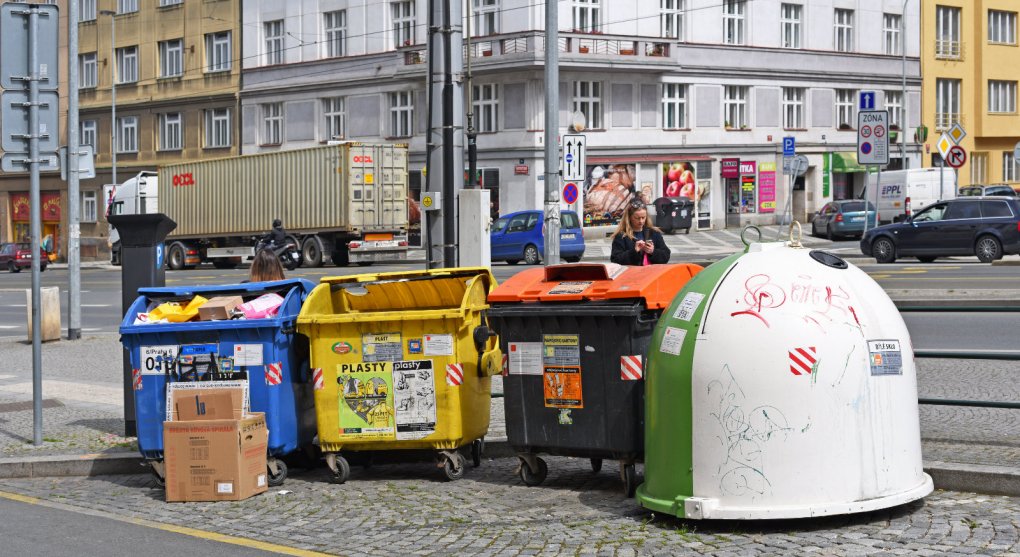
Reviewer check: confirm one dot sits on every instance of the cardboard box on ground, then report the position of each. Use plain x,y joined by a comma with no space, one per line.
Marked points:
212,452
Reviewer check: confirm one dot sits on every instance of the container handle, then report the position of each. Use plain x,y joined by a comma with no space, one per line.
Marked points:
747,243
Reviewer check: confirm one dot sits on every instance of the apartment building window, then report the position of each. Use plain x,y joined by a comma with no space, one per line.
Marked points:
486,17
272,34
335,24
217,52
1001,27
163,3
333,109
401,113
272,123
127,64
86,10
790,24
588,101
733,21
88,133
671,19
843,31
793,108
171,58
170,125
1001,96
88,75
674,106
735,106
127,134
891,33
845,109
947,32
947,103
1008,167
217,128
485,104
88,206
587,16
894,104
402,15
127,6
979,168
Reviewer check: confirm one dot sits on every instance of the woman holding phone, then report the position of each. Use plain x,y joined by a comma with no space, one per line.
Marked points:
636,241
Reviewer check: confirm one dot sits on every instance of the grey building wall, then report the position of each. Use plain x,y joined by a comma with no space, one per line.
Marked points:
622,99
822,107
363,116
515,116
707,110
766,108
299,123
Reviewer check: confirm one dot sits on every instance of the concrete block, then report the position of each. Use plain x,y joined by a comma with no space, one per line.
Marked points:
49,312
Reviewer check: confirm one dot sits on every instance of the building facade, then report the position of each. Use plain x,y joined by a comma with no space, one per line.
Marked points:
969,60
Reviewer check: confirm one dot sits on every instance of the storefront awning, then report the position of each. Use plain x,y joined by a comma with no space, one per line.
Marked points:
846,161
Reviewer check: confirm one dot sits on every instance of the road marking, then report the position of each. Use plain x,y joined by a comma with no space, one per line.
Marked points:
96,305
718,241
10,326
183,530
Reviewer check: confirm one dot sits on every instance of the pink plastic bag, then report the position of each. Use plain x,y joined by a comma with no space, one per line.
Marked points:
264,306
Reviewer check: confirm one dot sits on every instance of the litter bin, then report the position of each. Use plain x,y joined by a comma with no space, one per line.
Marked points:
402,361
781,384
263,356
674,213
576,337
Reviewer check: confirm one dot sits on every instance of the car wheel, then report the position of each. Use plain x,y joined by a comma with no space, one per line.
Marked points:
531,256
884,250
12,267
926,258
988,249
829,235
571,259
512,261
814,229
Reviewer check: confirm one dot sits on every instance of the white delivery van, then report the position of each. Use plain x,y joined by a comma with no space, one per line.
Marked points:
902,193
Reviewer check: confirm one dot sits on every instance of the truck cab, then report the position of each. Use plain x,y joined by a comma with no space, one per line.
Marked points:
136,196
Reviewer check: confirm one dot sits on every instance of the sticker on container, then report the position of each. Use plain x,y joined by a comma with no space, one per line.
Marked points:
438,345
525,358
366,400
342,348
247,354
673,340
564,417
158,360
382,347
885,357
454,375
261,480
571,287
631,368
224,488
274,373
414,346
136,379
414,399
561,350
198,362
803,360
562,387
226,364
196,385
689,305
317,381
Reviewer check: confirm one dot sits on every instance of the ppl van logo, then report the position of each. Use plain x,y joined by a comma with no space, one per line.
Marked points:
342,348
888,191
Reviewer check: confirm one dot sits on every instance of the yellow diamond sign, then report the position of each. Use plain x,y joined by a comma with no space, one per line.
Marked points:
944,144
957,133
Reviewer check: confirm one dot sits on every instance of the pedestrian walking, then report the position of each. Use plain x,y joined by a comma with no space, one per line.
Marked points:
636,241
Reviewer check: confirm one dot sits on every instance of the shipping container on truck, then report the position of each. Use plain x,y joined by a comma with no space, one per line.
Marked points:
345,202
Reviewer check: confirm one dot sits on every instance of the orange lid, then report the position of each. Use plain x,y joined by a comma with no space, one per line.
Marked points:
656,284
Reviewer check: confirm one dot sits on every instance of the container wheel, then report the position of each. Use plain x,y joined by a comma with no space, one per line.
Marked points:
276,480
596,465
160,480
629,472
454,466
535,477
477,448
343,469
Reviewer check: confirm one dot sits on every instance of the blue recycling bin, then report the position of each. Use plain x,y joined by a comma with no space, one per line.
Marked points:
265,356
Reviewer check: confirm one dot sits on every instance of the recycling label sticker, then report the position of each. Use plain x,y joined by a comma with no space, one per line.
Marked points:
885,357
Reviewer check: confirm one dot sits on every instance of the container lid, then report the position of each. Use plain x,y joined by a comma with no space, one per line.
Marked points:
656,284
436,289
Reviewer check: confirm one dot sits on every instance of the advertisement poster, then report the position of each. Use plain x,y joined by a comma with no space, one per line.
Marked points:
561,374
607,191
366,400
704,202
382,347
747,204
414,399
679,180
767,187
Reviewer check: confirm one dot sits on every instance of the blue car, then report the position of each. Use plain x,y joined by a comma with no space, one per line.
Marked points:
518,236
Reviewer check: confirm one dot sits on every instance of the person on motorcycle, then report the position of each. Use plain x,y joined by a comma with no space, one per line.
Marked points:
277,236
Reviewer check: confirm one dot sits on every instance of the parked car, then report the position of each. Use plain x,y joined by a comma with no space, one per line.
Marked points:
988,227
16,257
843,218
518,236
998,189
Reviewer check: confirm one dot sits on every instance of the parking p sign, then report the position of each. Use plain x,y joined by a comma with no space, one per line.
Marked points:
789,146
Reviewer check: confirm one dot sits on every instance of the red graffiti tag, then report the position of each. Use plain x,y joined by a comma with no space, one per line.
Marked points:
760,294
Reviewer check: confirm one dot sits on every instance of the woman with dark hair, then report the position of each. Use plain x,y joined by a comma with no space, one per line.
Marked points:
266,267
636,241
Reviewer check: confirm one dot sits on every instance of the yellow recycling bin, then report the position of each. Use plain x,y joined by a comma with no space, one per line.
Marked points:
402,361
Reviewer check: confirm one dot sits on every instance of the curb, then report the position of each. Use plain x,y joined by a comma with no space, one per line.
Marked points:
60,466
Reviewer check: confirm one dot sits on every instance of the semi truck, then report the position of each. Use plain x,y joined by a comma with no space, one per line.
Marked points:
344,202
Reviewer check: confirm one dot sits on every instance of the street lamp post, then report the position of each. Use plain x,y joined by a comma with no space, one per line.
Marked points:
113,93
903,90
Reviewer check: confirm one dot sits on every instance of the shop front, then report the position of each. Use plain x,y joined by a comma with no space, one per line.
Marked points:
21,220
846,175
750,188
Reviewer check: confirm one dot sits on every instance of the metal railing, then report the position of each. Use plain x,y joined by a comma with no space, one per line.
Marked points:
948,49
580,44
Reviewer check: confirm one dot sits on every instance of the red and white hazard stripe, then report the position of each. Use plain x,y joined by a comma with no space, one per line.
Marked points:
454,374
803,360
631,368
317,378
274,373
506,365
136,379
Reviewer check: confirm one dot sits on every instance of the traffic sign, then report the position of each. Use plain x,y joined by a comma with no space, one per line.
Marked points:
14,47
431,201
943,145
872,136
957,133
19,162
574,156
15,121
956,157
570,193
867,100
795,166
789,146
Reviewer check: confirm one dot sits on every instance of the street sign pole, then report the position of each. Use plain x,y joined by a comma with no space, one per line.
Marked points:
552,146
36,219
73,180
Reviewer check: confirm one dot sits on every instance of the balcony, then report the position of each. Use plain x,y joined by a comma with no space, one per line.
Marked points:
948,50
945,120
532,45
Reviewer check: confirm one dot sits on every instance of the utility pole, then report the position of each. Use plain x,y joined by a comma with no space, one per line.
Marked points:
472,180
73,195
552,144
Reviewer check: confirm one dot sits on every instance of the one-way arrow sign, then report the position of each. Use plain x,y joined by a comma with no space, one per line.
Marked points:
573,157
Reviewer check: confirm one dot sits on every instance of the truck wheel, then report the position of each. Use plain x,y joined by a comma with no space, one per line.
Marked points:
340,257
175,257
311,251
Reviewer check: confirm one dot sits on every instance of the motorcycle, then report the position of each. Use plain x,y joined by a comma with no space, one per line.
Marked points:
287,253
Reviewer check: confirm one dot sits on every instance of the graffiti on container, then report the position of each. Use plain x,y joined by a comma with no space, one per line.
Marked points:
815,302
745,434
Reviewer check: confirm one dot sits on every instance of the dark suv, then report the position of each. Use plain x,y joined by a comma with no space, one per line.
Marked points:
998,189
988,227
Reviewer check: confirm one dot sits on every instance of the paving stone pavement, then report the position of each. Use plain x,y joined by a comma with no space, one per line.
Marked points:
406,509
